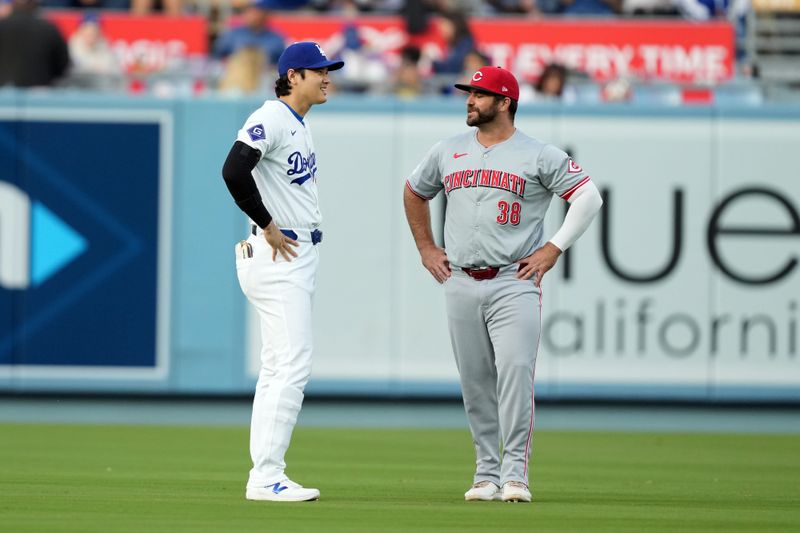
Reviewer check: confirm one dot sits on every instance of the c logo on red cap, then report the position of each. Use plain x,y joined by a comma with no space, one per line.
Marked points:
478,76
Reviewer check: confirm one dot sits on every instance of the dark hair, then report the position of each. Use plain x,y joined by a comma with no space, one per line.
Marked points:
412,54
512,107
282,87
461,28
483,57
553,69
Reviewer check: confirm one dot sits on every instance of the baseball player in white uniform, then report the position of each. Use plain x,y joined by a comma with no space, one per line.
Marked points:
499,183
271,172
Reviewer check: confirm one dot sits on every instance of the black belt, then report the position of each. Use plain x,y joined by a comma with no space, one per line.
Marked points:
316,235
482,273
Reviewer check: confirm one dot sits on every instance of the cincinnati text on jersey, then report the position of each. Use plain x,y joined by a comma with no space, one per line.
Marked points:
493,179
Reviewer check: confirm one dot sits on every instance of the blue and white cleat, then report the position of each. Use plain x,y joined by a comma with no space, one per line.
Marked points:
283,491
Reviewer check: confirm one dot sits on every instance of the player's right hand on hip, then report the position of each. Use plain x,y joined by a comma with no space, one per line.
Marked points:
280,243
435,260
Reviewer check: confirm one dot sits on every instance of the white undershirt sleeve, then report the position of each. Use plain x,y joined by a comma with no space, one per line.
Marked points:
584,205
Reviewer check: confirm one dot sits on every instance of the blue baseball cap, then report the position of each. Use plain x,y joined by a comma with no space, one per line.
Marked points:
305,54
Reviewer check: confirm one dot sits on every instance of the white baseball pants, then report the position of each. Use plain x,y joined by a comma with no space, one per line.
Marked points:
282,294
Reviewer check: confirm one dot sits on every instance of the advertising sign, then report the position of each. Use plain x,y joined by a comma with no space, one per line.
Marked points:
145,43
84,218
689,277
604,49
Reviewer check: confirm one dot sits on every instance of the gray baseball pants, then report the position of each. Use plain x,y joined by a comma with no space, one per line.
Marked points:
494,329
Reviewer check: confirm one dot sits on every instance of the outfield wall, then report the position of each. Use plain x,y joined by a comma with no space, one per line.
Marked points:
117,233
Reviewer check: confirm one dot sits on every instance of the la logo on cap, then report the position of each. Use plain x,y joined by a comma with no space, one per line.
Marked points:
322,52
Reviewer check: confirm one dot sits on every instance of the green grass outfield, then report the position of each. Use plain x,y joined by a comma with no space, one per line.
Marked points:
140,479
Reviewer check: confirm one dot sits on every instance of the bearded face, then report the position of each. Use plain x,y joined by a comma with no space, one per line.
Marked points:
481,109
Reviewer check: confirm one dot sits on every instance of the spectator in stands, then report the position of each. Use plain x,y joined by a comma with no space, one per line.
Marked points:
416,14
552,81
551,86
5,8
121,5
366,65
472,62
89,49
33,52
168,7
475,60
467,7
252,33
593,8
650,8
711,9
617,90
286,5
407,80
515,7
244,71
735,11
459,41
363,6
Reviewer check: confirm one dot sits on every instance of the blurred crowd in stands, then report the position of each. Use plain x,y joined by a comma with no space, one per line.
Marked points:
244,47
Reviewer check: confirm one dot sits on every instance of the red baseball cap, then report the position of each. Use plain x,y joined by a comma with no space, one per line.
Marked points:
493,80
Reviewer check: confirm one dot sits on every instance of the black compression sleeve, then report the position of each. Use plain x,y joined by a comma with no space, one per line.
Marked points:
237,172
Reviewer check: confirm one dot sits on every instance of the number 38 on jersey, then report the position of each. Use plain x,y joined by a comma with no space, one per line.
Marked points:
510,213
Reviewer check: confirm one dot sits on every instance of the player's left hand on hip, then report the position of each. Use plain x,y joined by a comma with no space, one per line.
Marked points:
538,263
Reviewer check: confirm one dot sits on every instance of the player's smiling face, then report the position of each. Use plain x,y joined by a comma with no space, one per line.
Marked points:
481,108
313,89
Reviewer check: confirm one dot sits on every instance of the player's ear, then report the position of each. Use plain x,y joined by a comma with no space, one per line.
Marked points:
503,104
295,76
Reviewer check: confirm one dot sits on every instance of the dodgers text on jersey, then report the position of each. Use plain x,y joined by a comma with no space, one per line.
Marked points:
301,165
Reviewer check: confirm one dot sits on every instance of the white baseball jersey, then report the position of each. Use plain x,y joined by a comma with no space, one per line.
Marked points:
497,197
286,174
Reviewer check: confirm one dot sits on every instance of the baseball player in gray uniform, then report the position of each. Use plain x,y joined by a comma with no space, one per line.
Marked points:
271,172
499,183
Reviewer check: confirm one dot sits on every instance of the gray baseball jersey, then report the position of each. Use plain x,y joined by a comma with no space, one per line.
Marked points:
497,197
